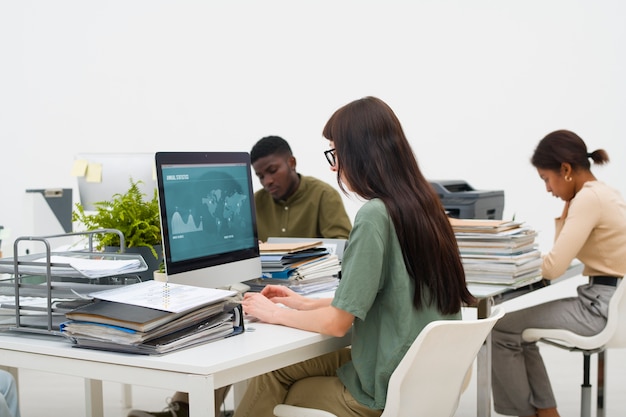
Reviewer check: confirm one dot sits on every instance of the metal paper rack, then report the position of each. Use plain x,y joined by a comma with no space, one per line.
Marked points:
47,285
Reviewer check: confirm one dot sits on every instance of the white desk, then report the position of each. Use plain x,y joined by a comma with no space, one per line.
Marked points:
198,371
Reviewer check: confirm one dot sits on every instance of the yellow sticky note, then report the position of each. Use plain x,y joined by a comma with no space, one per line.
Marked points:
94,172
80,168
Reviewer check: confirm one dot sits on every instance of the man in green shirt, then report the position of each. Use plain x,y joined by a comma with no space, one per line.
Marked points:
290,204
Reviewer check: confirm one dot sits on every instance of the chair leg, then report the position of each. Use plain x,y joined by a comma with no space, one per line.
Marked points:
585,392
601,383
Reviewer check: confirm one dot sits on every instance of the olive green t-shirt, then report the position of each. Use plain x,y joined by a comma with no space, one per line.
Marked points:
377,290
314,210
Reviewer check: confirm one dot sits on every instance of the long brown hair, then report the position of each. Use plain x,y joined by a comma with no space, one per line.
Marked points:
376,160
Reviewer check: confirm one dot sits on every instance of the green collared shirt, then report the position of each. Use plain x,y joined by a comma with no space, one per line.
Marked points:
376,288
315,210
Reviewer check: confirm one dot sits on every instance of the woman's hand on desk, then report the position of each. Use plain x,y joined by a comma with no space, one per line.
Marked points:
263,305
313,314
282,295
259,306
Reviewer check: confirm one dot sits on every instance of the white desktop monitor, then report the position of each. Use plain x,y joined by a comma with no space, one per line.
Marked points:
208,220
107,174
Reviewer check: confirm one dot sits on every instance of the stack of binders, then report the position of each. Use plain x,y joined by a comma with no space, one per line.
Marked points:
498,251
304,267
153,318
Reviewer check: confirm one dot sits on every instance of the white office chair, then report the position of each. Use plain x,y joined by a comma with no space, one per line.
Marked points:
432,375
612,336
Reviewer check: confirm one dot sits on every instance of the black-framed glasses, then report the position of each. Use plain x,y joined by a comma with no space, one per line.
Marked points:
330,157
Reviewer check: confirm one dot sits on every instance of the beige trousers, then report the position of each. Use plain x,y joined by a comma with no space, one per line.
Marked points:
312,383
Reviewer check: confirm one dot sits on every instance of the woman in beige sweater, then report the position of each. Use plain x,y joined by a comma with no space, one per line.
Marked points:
592,229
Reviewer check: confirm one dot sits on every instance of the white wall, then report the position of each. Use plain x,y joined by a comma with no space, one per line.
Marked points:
476,84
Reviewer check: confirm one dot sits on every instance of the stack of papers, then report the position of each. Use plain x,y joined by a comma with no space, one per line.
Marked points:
498,251
300,286
77,264
97,268
169,297
153,318
482,226
303,266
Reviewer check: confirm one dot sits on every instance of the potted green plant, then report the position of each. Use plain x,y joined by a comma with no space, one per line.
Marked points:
133,215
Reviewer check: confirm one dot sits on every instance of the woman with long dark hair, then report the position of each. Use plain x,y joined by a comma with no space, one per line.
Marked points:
401,270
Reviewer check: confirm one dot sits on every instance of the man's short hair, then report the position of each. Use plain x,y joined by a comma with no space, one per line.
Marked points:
269,145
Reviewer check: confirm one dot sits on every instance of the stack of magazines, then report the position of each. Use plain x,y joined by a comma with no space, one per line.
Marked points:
153,317
304,267
498,251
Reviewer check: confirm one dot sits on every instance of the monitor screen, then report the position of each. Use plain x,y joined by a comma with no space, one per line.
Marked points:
106,174
208,222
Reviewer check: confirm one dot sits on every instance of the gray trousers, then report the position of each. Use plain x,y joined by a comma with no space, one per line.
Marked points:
520,383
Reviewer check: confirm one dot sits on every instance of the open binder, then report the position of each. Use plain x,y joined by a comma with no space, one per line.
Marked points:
153,318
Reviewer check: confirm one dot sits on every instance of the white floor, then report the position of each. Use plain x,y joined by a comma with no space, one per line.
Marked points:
55,396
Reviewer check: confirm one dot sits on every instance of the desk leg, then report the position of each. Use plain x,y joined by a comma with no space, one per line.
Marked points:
94,404
127,395
239,389
201,397
483,366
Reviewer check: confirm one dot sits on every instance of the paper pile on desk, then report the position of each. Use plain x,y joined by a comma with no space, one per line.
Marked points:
497,251
97,268
302,266
153,318
76,264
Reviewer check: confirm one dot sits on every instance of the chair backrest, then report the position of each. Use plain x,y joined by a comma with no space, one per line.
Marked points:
617,317
430,378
